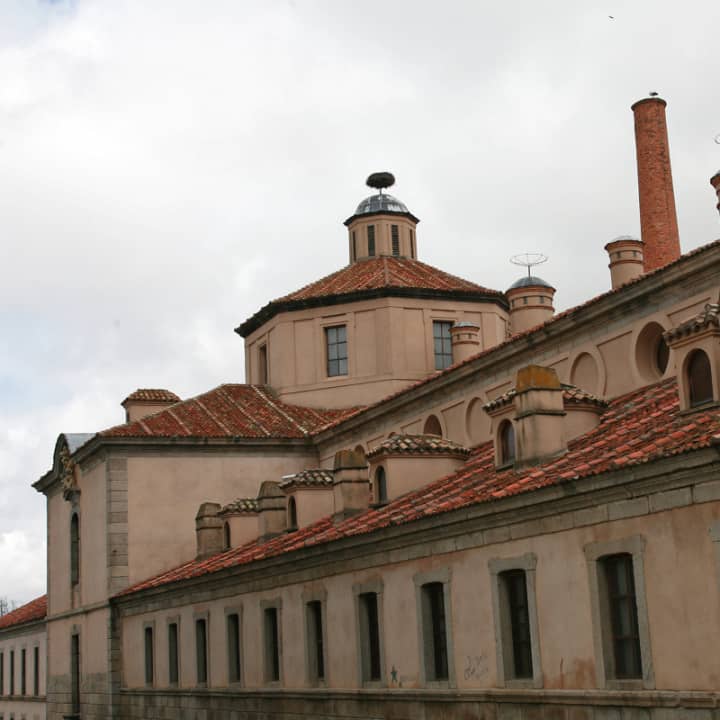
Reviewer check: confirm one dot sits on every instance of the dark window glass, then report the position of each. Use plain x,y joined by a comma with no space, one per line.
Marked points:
74,550
262,365
370,640
381,486
292,513
371,240
432,426
433,595
315,640
699,378
75,673
412,244
272,645
662,355
12,672
395,236
173,657
23,672
149,660
336,342
201,650
2,673
226,536
507,442
442,344
36,671
517,606
233,631
623,615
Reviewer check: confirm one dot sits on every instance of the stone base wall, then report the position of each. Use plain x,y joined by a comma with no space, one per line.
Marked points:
94,697
28,708
417,705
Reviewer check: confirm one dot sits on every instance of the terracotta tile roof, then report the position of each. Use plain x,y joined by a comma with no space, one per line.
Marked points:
373,277
240,411
418,445
30,612
240,506
637,428
308,478
571,395
708,317
152,395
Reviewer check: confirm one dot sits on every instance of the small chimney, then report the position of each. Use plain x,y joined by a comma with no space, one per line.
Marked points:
658,218
626,259
146,401
539,414
209,530
272,510
531,303
465,340
351,485
715,182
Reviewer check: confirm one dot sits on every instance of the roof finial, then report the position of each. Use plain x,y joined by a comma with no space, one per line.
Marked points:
380,180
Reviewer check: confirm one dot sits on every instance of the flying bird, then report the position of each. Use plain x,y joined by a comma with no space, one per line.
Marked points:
612,17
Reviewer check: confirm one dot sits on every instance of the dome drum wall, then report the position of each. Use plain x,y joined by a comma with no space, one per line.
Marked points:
531,304
376,234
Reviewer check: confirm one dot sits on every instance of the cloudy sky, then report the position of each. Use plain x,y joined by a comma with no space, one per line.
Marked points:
167,167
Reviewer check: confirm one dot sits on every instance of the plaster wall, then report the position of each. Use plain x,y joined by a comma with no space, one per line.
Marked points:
165,491
677,546
389,341
313,504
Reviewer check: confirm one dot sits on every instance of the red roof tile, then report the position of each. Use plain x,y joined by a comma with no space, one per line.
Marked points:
414,445
241,411
30,612
371,277
658,430
152,395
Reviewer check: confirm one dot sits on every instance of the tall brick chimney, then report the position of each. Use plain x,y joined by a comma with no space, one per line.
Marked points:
658,219
715,182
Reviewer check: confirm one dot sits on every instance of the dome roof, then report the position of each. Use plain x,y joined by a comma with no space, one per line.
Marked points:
530,281
381,202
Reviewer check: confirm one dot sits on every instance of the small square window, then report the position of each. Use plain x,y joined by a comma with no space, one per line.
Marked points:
336,348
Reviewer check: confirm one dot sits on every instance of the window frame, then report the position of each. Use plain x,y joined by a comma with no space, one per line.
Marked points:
694,354
442,576
265,605
447,356
374,587
205,618
36,671
263,364
2,672
380,474
75,671
395,240
503,623
601,625
506,454
309,598
74,549
371,243
174,620
238,680
149,653
328,344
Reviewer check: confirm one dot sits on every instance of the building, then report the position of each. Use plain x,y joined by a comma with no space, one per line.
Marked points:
433,499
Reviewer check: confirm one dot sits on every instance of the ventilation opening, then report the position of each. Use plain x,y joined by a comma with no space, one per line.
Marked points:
699,378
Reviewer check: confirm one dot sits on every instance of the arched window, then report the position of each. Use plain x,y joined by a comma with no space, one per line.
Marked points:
74,549
381,495
662,355
292,513
506,437
699,378
226,535
432,426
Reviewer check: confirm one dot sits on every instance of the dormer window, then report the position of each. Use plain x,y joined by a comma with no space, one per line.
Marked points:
506,442
699,378
395,236
262,365
371,240
292,514
336,343
381,495
226,536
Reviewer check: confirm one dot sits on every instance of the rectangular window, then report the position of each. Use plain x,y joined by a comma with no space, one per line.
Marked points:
74,550
442,344
201,654
395,235
354,247
336,343
272,645
23,672
316,656
75,673
434,631
36,671
622,606
173,656
371,240
515,594
370,637
412,244
2,673
12,672
149,653
262,365
233,633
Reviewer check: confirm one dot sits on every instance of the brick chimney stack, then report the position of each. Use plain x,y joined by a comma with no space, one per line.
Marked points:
715,182
658,219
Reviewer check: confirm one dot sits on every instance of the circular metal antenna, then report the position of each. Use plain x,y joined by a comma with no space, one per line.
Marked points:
652,93
380,180
528,260
717,138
